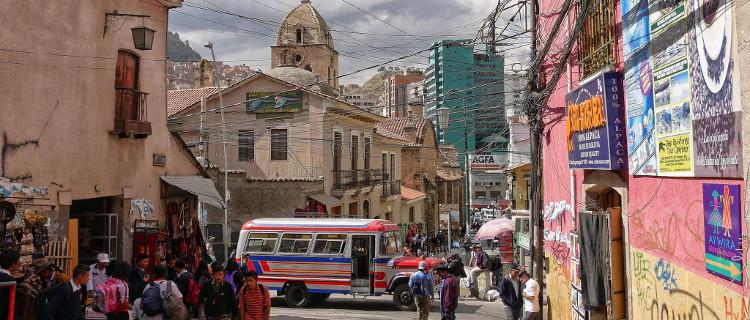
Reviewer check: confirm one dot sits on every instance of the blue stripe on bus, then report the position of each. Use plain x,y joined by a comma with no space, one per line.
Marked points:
382,260
301,259
258,269
308,274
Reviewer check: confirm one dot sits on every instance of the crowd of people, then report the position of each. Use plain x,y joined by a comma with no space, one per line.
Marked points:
434,242
169,291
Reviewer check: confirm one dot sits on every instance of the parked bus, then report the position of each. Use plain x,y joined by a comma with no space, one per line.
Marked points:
307,260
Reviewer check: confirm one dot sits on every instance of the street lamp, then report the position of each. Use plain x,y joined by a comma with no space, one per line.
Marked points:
227,234
444,114
143,38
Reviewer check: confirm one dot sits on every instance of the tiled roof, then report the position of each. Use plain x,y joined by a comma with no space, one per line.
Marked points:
411,194
449,174
178,100
390,134
397,125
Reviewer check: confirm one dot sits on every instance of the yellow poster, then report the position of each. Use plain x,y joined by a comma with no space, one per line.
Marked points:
674,155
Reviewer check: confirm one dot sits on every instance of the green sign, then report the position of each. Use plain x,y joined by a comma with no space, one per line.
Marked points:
271,102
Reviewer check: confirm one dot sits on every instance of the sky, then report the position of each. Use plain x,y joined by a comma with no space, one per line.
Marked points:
361,39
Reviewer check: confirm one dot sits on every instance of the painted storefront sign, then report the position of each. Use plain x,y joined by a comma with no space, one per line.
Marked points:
595,125
270,102
678,88
723,230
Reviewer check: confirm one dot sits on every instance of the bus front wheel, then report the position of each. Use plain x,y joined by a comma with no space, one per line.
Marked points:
297,296
403,299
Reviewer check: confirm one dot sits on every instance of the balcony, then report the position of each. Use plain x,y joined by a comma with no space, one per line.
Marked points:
391,188
344,180
130,114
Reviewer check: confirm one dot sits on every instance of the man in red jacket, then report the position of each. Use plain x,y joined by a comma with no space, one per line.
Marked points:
449,292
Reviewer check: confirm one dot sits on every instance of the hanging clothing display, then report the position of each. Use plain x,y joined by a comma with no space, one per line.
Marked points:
593,243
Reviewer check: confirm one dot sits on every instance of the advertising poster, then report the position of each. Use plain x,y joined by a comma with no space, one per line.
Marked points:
717,124
595,124
681,90
638,88
270,102
723,230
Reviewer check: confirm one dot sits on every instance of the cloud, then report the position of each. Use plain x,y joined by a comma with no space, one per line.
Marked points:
360,39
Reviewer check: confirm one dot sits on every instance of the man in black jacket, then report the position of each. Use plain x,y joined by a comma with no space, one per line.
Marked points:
66,302
217,297
510,295
138,277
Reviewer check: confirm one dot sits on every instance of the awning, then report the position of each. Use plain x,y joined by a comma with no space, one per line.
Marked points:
202,187
325,199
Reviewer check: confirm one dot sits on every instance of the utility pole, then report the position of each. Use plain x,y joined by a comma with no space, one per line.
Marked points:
493,20
467,171
226,233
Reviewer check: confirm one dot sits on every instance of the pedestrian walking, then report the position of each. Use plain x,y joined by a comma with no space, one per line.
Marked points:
183,277
8,264
152,302
530,297
171,271
449,292
254,299
64,301
98,273
43,275
217,297
456,266
138,277
233,275
422,289
510,294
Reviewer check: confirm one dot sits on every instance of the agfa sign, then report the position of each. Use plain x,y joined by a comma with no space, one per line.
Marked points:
486,162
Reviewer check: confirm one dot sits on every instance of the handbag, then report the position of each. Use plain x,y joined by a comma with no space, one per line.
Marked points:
174,308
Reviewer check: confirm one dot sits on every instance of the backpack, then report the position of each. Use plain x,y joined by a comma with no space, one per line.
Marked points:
42,299
494,263
194,289
418,286
105,298
151,302
174,308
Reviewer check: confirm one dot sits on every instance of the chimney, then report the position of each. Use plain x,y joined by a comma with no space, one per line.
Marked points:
204,75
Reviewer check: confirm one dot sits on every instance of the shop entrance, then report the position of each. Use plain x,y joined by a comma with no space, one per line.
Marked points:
602,255
98,221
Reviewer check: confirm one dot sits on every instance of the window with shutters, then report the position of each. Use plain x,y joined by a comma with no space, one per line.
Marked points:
246,145
130,103
596,42
279,144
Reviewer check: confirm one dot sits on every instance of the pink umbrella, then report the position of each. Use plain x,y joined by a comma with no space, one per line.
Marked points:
494,228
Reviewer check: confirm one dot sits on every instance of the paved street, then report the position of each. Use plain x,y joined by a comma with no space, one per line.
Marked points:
345,307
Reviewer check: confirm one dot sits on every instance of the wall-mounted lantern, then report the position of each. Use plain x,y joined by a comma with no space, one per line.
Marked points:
143,38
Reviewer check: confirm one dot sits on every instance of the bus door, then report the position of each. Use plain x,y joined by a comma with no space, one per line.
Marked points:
363,253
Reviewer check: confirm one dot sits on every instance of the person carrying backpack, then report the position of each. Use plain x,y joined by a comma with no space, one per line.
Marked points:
217,297
421,287
64,301
254,299
153,302
189,287
111,297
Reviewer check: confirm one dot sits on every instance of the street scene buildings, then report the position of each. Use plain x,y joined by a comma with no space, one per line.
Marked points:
535,159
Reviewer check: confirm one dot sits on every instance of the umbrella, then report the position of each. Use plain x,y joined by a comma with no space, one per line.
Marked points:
494,228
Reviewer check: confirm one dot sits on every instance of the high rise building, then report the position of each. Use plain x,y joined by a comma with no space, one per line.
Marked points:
467,83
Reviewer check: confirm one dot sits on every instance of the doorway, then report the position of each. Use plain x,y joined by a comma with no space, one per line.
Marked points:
98,220
363,252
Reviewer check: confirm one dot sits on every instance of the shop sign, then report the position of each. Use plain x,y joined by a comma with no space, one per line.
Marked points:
522,240
723,230
272,102
490,162
595,124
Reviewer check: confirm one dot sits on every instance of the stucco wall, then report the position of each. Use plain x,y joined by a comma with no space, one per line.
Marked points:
59,103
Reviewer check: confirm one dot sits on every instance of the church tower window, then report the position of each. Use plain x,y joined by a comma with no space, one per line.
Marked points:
299,36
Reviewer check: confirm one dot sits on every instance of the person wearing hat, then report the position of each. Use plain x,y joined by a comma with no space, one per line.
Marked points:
449,292
98,272
421,287
479,267
510,294
49,273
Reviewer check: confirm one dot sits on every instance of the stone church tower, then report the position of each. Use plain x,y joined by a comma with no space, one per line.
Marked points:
304,41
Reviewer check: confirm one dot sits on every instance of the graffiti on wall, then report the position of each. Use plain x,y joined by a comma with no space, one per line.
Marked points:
664,290
558,290
677,236
7,148
558,216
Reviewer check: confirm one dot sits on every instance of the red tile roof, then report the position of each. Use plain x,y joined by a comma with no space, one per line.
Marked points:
411,194
396,126
178,100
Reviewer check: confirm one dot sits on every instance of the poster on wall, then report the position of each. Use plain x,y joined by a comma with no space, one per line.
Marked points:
723,230
638,88
682,117
271,102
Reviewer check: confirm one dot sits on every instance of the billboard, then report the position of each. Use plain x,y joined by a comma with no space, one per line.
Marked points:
682,117
595,125
490,162
723,230
270,102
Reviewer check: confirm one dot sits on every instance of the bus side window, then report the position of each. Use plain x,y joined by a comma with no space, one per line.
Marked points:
261,242
295,243
329,244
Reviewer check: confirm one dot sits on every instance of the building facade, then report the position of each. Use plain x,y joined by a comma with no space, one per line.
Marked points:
89,126
397,91
643,168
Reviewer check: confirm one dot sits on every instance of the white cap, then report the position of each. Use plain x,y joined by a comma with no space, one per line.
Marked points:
102,257
422,265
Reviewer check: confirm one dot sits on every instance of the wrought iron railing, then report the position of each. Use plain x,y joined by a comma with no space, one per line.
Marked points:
131,112
391,188
350,179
